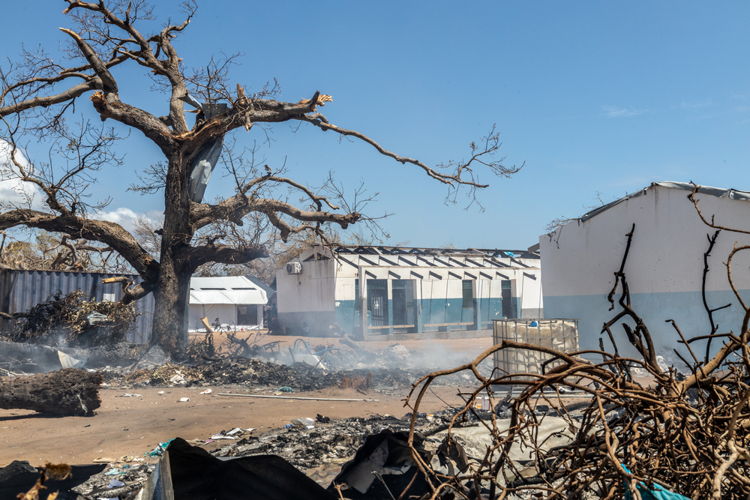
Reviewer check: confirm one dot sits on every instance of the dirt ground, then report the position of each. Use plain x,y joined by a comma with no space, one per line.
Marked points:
134,425
131,426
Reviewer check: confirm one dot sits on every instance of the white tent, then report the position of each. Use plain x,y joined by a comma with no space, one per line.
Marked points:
235,302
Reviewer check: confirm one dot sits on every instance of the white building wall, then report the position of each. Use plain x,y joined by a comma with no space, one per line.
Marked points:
312,290
664,268
530,294
227,314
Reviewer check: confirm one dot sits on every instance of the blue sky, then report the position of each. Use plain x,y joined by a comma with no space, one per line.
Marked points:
596,98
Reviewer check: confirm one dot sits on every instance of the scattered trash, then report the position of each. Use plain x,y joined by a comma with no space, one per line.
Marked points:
130,395
207,391
303,398
183,400
159,450
305,422
232,434
177,379
286,388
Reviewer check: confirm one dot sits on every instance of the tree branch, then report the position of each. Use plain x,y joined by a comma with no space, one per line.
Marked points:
222,254
109,233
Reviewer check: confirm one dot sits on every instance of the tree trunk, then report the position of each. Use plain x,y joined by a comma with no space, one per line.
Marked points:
62,392
170,311
171,293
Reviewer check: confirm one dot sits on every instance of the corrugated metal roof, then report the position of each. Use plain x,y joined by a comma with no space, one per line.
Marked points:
226,290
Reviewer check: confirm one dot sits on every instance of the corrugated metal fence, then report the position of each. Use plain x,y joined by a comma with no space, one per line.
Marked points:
20,290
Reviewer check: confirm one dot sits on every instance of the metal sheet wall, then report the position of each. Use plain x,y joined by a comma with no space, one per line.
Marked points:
20,290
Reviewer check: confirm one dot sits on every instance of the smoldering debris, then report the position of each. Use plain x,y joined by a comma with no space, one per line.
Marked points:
261,373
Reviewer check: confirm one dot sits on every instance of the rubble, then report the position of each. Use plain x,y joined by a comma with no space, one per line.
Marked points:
262,373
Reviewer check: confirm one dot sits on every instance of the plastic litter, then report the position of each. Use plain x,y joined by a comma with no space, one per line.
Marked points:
285,388
183,400
207,391
658,493
159,450
304,422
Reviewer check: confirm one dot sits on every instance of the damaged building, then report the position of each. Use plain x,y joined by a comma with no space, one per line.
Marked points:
405,290
665,265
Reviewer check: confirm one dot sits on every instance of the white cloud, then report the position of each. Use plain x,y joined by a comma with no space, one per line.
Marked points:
129,218
14,191
621,112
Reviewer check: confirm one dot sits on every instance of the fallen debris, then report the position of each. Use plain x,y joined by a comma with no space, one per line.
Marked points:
63,392
85,322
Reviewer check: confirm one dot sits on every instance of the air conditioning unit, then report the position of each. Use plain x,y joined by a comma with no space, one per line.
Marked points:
294,268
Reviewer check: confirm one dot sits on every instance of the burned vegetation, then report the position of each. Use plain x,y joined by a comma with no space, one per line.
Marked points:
638,429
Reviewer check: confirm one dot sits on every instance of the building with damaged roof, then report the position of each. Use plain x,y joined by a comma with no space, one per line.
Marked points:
405,290
664,269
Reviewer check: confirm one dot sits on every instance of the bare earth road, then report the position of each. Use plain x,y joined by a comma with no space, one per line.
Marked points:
134,425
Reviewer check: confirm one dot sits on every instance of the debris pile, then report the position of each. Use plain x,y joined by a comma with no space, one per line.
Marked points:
82,322
257,372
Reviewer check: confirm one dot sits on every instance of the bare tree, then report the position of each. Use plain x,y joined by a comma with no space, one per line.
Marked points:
38,102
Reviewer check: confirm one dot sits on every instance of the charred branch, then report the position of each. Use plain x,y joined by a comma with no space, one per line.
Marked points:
64,392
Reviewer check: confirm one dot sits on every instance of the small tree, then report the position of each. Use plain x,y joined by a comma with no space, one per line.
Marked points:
39,100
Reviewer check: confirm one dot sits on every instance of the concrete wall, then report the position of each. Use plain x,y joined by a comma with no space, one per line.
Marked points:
305,302
529,284
664,269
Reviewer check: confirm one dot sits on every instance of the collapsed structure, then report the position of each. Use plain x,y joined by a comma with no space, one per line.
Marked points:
405,290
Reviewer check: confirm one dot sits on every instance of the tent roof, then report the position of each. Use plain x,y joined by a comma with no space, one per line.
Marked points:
226,290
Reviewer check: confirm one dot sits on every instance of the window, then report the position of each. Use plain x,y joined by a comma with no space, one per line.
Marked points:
467,289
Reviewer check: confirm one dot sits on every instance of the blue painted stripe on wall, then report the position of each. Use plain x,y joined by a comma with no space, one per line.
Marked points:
434,311
686,308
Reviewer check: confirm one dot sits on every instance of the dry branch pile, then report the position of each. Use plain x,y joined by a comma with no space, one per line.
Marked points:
69,315
636,434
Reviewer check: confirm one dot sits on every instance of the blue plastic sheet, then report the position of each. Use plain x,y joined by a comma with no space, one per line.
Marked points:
657,493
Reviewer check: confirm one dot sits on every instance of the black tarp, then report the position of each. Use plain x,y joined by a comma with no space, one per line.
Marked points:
196,474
